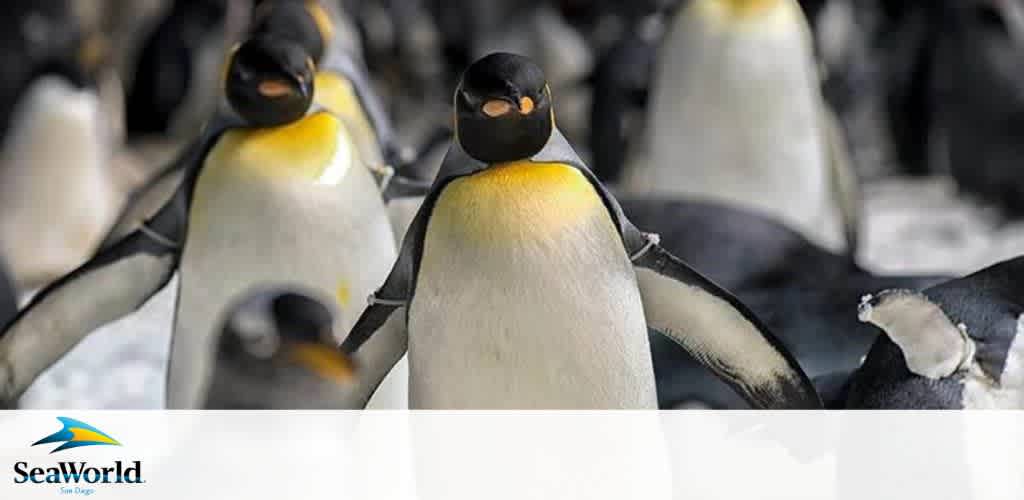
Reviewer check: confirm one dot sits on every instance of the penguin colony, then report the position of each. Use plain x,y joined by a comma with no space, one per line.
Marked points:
470,257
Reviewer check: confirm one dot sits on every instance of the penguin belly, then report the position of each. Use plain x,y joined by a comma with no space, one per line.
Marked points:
57,197
736,118
525,299
263,213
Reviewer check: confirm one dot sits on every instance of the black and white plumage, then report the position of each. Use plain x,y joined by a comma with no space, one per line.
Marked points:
295,201
954,345
805,294
557,298
55,202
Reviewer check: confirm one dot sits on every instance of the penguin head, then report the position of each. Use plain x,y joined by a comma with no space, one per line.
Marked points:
284,335
305,22
503,109
269,81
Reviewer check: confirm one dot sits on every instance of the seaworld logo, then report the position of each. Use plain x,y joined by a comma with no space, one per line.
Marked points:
76,434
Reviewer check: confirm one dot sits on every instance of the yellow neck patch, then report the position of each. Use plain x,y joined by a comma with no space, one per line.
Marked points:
513,202
336,94
304,148
736,9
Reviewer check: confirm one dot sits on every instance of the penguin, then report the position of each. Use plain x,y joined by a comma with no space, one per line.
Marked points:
526,287
957,345
174,76
275,188
737,116
801,291
277,351
815,323
56,203
978,96
342,86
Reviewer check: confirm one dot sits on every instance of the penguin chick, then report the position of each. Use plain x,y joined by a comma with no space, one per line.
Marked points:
277,351
527,287
956,345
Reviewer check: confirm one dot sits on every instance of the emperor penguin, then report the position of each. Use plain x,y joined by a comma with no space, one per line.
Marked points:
277,351
526,287
737,116
955,345
59,192
275,189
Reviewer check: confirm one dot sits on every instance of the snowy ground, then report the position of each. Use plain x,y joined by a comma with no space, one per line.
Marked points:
910,226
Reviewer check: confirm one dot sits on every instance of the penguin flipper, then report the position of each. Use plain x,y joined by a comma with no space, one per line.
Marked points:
720,332
155,194
844,183
109,286
369,322
144,203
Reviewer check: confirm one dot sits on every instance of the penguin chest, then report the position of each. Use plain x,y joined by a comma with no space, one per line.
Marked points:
262,213
525,298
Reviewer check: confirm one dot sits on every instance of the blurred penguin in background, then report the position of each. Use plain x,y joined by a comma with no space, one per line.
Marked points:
174,85
58,129
737,116
277,351
979,97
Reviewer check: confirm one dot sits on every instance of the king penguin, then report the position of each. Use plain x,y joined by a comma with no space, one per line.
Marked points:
737,116
526,287
275,189
277,351
959,344
59,192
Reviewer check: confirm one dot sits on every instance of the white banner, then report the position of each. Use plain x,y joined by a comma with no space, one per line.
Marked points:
511,455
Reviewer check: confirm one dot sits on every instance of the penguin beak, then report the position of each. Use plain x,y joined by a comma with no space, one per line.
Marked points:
328,363
277,88
495,108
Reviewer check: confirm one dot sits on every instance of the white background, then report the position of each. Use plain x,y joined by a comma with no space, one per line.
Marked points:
538,455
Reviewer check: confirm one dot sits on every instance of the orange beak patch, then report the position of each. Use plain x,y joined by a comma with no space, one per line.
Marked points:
274,88
328,363
496,107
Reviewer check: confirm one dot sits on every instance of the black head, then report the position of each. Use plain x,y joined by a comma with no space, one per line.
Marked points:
269,81
304,22
503,109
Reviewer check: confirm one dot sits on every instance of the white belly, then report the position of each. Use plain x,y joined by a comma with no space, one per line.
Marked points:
57,196
736,119
334,239
524,317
